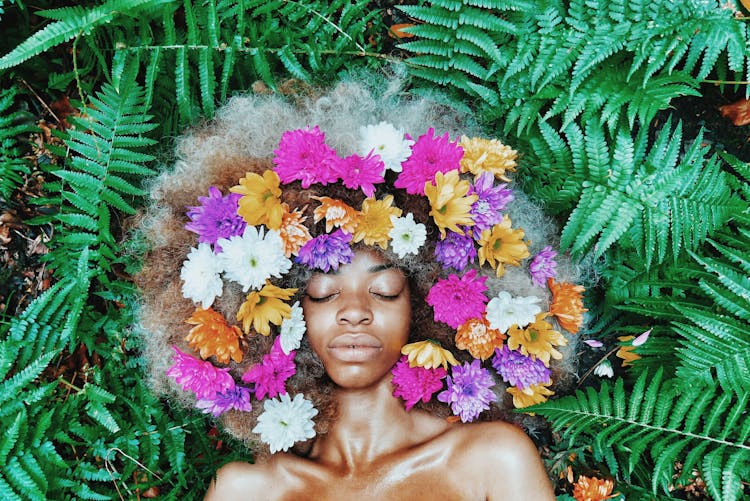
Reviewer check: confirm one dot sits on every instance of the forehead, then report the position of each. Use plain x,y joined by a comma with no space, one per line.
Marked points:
365,261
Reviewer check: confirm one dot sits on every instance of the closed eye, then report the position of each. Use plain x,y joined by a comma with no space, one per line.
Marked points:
321,299
386,297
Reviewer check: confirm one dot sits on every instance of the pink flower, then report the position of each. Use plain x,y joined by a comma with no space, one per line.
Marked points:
304,155
429,155
271,374
456,300
360,172
199,376
416,383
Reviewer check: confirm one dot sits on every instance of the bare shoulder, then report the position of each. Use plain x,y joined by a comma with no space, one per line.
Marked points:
239,480
504,459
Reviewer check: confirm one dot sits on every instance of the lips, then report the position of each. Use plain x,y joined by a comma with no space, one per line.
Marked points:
355,347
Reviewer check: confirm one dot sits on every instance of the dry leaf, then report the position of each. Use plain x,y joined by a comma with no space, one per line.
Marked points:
396,30
738,112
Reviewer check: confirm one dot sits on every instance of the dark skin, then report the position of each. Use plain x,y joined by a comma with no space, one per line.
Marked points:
358,320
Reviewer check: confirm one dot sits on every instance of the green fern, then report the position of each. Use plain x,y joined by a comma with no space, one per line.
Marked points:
661,422
12,165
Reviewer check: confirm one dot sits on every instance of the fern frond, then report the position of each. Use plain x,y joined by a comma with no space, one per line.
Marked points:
12,166
659,424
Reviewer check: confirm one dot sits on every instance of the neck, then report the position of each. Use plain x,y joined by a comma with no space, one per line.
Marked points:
371,423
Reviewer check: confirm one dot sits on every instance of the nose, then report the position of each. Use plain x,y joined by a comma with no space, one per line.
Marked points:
354,310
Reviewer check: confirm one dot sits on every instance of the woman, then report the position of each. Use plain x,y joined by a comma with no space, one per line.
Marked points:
356,288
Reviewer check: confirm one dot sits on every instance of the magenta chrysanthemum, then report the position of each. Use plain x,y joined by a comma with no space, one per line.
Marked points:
456,300
543,266
237,397
304,155
415,383
327,251
455,251
492,199
360,172
469,390
519,370
429,155
199,376
216,217
269,377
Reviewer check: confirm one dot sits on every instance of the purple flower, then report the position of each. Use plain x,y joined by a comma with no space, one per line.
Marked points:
216,217
415,383
327,251
304,155
519,370
429,155
543,266
492,199
199,376
237,397
455,251
469,390
269,377
360,172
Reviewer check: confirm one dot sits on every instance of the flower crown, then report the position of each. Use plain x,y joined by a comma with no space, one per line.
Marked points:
249,236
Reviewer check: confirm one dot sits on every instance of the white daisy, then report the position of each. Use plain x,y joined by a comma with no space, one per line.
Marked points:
387,142
505,310
292,329
285,421
252,258
604,369
406,235
200,272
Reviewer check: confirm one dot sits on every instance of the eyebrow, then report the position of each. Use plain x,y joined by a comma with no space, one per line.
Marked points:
372,269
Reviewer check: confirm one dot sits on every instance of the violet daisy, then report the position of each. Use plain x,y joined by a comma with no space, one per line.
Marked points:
216,217
543,266
519,370
237,397
327,251
304,155
415,383
455,250
492,199
429,155
469,390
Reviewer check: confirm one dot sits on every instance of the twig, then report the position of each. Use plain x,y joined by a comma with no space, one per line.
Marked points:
26,84
591,369
362,49
734,82
108,464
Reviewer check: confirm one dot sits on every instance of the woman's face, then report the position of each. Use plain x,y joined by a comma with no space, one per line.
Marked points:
358,319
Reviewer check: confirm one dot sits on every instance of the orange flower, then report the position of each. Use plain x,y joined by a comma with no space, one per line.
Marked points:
293,233
567,304
487,155
336,213
534,394
265,307
450,205
261,203
593,489
537,339
626,351
375,221
478,338
502,245
213,336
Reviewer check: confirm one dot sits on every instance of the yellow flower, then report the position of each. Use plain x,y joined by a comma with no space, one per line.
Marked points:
293,233
626,351
534,394
593,489
428,354
537,339
375,221
450,205
265,307
487,155
336,213
212,335
501,245
261,203
478,338
567,305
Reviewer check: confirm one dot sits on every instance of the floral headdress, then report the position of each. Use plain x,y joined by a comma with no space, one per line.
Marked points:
251,237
